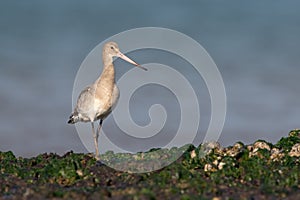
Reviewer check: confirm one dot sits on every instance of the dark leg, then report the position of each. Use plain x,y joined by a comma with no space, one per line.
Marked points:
99,127
95,135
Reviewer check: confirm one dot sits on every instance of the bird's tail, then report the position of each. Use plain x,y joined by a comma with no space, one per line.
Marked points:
73,118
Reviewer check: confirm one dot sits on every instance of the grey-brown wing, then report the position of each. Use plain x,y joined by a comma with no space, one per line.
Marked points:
85,101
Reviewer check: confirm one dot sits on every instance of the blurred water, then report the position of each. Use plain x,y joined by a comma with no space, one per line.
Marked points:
42,43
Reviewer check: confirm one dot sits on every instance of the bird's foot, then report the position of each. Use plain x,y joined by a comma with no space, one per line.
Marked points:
99,163
97,157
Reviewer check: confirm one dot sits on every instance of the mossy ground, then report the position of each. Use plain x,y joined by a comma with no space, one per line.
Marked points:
237,172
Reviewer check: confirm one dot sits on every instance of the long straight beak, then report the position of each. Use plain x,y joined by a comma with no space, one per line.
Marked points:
120,55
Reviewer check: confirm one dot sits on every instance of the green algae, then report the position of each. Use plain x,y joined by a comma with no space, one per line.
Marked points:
237,172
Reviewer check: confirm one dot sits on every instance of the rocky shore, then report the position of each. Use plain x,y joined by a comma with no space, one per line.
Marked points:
256,171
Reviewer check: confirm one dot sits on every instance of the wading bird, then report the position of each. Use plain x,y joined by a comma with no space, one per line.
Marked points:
97,100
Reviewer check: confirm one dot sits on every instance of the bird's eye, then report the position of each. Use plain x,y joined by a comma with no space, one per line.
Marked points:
112,47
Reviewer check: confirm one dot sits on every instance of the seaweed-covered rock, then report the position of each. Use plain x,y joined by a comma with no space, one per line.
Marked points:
276,154
255,171
295,151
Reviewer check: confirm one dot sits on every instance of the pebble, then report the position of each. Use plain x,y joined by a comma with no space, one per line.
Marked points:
276,154
295,151
235,150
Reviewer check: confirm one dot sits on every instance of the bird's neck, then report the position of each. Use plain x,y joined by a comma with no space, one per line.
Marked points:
107,76
107,59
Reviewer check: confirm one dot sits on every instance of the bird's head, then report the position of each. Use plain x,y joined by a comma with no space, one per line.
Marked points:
111,49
